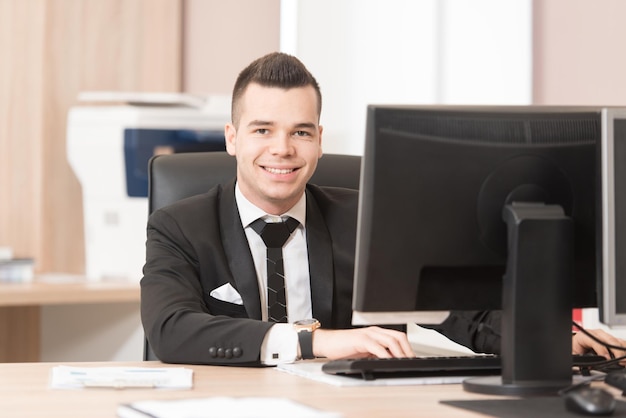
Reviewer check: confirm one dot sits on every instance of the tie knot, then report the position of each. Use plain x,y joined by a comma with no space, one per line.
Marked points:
274,234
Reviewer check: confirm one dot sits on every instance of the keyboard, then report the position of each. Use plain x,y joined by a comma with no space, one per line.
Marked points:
479,365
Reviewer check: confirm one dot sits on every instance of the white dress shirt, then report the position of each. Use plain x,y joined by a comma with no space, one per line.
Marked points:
281,342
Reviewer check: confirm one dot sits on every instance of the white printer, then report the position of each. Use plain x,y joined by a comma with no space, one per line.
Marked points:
109,143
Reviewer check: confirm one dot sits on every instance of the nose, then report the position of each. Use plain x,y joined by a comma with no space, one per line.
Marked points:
281,145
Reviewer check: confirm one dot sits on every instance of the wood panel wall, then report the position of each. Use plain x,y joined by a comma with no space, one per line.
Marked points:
50,50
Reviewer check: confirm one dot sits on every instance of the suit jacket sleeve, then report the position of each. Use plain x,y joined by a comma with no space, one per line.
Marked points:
477,330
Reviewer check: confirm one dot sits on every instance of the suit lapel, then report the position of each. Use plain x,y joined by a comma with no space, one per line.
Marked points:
238,253
320,262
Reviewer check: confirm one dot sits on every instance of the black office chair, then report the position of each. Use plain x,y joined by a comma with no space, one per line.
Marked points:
173,177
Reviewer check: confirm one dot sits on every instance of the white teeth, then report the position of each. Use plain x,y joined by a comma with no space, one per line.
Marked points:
279,171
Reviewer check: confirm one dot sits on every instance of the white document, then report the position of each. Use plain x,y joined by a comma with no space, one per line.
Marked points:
430,343
222,407
68,377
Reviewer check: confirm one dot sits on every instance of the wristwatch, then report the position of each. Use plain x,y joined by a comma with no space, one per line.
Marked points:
305,328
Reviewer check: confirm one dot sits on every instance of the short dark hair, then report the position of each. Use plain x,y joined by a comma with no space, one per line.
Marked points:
276,69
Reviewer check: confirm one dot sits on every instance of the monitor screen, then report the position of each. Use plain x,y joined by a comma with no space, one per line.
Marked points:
480,208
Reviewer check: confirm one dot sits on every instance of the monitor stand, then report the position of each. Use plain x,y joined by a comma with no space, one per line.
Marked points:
536,304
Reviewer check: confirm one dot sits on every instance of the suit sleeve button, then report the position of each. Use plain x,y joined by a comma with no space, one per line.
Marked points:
212,352
237,352
220,352
228,353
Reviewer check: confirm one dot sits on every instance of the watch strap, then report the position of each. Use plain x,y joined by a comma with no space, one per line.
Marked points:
305,339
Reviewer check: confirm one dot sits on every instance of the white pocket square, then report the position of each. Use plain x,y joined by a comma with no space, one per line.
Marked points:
227,293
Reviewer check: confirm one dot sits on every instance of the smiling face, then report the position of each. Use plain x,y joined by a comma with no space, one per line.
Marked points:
277,144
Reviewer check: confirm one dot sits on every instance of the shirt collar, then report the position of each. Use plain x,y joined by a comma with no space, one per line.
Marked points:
250,213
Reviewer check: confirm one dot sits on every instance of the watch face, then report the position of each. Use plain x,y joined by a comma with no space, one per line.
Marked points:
307,325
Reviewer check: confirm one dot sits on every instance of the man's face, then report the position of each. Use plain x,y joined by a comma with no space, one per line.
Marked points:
277,145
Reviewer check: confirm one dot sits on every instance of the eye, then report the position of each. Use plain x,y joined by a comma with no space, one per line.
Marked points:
262,131
302,133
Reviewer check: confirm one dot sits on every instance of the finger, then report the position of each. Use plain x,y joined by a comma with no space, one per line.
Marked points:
605,340
583,343
377,348
396,342
371,342
616,342
402,347
612,339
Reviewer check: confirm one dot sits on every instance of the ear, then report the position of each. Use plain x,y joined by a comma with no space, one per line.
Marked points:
230,135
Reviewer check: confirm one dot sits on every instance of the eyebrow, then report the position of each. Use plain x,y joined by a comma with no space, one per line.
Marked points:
301,125
259,123
306,125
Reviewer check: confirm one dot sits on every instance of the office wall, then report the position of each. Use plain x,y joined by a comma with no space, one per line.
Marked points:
368,51
578,52
222,37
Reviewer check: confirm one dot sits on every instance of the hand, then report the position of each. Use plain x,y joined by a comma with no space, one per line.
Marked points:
361,342
582,343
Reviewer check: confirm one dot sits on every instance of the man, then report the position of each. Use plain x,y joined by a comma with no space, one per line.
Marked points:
204,297
203,291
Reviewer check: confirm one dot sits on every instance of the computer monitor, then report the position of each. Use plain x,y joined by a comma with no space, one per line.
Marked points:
612,306
483,208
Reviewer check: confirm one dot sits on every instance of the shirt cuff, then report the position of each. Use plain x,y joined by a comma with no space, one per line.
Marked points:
280,345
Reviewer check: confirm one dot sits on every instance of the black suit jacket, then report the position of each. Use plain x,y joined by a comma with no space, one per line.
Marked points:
198,244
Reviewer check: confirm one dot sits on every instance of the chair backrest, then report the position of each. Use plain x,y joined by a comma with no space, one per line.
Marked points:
172,177
176,176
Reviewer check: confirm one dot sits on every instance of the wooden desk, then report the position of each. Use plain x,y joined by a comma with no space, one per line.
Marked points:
20,308
24,392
